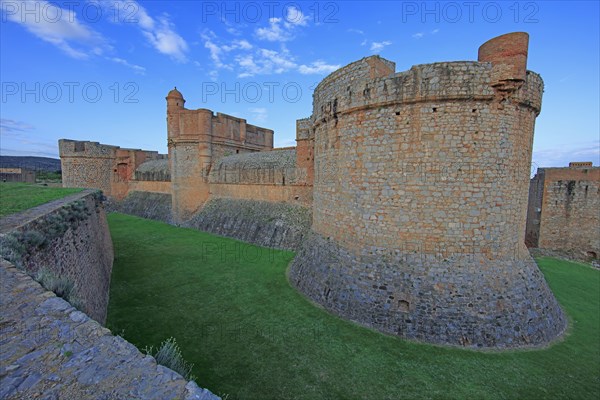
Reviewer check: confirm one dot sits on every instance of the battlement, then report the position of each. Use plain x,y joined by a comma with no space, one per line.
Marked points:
84,148
106,167
303,129
580,164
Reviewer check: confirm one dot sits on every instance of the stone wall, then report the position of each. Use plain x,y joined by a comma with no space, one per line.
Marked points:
70,239
564,206
50,350
108,168
17,175
434,138
277,167
293,194
467,301
277,225
153,170
420,188
156,206
150,187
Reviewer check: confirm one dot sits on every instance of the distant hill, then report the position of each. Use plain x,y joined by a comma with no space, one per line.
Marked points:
45,164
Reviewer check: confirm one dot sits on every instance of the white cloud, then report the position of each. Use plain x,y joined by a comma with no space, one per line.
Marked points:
265,62
164,39
281,61
238,44
215,52
418,35
55,25
274,32
22,135
12,127
356,31
159,32
282,29
136,68
317,67
376,47
260,113
219,52
433,32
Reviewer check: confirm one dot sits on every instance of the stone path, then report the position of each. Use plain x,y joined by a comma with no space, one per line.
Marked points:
51,351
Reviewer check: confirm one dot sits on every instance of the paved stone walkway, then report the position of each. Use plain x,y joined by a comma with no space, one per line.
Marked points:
51,351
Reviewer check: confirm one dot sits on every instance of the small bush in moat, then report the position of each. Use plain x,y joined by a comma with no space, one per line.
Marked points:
169,355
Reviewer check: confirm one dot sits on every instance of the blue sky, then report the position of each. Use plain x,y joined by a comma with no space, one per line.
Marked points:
100,70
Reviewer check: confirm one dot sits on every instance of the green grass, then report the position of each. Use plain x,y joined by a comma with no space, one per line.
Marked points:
250,335
15,197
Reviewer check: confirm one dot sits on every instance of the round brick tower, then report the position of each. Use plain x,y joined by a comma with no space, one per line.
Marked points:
420,196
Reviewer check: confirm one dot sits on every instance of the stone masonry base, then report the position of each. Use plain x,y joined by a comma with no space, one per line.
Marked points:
470,302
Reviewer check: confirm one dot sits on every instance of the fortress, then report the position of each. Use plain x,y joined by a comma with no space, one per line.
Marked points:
417,184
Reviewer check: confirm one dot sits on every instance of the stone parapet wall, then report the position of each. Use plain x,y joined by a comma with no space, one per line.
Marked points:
295,194
153,170
145,204
277,167
52,351
443,81
68,238
150,186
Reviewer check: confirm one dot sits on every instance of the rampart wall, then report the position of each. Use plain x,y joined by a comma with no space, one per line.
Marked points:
68,238
564,206
54,348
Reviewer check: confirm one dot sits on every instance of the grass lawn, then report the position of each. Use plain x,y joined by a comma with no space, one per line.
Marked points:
252,336
15,197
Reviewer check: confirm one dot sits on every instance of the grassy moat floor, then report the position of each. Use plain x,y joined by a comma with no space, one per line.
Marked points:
15,197
252,336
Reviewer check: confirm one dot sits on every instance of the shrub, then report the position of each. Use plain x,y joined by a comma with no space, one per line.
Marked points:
62,287
169,355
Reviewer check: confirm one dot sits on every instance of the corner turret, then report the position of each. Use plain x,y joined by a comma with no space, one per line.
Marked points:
175,100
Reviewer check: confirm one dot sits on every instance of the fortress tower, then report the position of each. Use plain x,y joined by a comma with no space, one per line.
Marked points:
190,155
196,139
420,196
